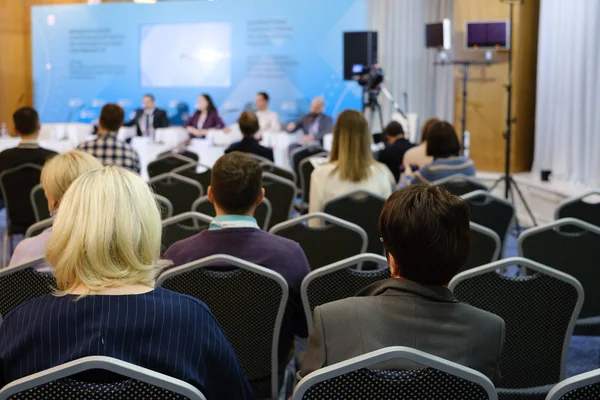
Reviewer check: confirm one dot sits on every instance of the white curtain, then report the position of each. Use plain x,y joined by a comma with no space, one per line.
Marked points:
408,65
567,137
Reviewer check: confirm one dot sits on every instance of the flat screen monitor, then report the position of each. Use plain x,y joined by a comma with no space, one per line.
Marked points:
487,35
438,35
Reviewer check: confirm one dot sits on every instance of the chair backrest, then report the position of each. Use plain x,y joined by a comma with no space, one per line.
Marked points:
16,185
431,378
539,311
262,213
485,247
300,153
306,169
460,184
491,211
340,280
281,193
275,169
363,209
58,382
181,191
183,226
39,203
574,252
248,301
334,241
167,162
166,208
22,283
585,386
39,227
191,171
578,207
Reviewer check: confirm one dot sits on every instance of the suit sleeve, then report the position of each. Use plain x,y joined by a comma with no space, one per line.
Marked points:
192,121
316,353
325,127
134,120
219,124
163,121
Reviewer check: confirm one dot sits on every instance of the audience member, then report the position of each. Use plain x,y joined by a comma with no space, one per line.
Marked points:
425,231
396,147
206,117
443,146
249,126
417,156
105,249
57,175
148,118
106,147
351,165
235,191
315,124
267,120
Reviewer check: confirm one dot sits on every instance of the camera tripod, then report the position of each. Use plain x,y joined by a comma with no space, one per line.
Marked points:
371,103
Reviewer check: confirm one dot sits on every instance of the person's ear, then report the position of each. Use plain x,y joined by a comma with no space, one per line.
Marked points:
261,196
394,269
39,127
209,193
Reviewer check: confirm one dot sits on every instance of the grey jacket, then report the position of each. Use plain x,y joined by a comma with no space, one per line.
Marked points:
325,125
399,312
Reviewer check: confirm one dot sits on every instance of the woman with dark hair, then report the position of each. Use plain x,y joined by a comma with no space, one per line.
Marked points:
206,117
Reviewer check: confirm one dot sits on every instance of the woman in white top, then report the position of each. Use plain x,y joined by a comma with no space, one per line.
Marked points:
57,175
351,165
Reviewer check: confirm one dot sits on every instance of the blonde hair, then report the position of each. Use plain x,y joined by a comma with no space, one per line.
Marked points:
61,170
107,233
351,147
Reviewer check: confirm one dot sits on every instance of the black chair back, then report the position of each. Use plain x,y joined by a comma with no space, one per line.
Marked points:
485,247
579,208
167,162
39,227
166,208
179,190
281,193
183,226
39,203
460,184
198,172
306,169
279,171
300,153
491,211
16,185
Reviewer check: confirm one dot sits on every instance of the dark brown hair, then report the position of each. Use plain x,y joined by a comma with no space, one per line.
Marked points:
426,127
111,117
442,141
248,123
426,230
211,104
393,129
236,182
26,120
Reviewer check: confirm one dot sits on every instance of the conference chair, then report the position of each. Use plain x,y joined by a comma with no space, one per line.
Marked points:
573,247
262,213
268,166
248,301
306,169
181,191
166,208
191,171
485,247
539,312
300,153
430,377
363,209
38,227
19,210
340,280
259,158
585,386
281,193
335,240
460,184
39,203
62,382
167,162
578,207
22,283
183,226
491,211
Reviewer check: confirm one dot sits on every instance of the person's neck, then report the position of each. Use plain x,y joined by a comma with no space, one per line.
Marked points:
113,290
221,213
103,131
392,140
263,110
29,138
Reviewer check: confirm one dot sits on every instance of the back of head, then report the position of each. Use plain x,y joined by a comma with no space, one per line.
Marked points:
107,232
248,123
111,117
442,141
61,170
426,230
26,121
236,183
351,147
393,129
426,127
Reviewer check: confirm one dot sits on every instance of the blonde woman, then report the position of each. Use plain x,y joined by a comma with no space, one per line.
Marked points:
105,249
351,165
57,175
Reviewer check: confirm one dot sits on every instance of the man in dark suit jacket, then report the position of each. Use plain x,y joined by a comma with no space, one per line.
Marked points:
249,126
395,147
425,231
149,118
315,124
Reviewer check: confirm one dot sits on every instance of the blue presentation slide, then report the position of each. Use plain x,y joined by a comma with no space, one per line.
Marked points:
85,56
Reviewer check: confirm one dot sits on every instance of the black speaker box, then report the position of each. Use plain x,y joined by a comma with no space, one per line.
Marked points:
359,48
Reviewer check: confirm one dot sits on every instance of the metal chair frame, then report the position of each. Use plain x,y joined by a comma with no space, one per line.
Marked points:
39,227
574,383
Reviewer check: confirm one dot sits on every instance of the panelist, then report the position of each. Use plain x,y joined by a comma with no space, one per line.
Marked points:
268,120
206,117
149,118
315,124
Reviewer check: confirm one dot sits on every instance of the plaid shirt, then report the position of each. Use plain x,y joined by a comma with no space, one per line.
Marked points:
111,151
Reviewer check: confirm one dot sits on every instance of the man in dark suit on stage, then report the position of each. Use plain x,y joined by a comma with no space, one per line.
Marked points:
149,118
314,124
249,126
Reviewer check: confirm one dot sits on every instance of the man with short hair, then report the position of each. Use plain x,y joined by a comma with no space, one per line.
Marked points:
235,191
425,232
106,147
149,118
248,123
315,124
267,120
395,147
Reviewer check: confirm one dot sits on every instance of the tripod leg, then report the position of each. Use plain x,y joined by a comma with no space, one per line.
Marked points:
380,117
513,201
523,200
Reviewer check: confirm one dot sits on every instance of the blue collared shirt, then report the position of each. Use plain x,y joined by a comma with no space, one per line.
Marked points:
232,221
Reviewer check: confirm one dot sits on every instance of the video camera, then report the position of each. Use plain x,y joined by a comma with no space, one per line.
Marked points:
368,76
